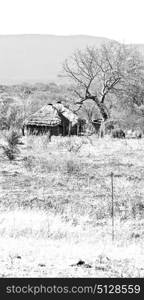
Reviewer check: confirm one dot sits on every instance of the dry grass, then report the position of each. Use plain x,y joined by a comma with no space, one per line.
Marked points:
40,244
55,198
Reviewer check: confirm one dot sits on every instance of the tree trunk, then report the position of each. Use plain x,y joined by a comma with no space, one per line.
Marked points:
100,105
103,109
102,129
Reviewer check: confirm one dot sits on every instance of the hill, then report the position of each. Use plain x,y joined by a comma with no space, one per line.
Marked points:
32,58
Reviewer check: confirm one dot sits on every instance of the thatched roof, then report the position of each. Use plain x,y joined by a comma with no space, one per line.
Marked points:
46,116
50,115
66,112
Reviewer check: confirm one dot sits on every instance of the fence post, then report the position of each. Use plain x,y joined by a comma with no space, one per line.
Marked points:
88,184
112,194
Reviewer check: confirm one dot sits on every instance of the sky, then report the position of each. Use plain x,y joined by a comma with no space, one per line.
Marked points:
122,20
25,59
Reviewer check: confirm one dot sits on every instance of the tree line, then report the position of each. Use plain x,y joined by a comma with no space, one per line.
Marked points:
112,74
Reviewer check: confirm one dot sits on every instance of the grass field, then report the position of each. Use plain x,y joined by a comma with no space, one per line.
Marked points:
55,204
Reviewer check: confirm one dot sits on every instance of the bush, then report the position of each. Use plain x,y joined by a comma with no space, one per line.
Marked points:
29,162
71,144
11,150
13,138
72,167
11,153
11,116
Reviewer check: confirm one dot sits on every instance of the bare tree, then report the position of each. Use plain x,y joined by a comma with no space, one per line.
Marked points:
111,69
89,111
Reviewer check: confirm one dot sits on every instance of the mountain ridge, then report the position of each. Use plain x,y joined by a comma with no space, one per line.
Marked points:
38,58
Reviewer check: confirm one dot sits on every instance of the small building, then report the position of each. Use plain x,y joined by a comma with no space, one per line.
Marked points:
53,119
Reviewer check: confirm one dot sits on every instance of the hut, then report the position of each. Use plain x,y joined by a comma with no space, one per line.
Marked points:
69,120
53,119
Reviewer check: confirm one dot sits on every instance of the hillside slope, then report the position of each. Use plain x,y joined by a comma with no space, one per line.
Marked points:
32,58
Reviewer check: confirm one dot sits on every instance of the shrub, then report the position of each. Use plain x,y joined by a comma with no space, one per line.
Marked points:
11,116
72,168
29,162
11,153
11,150
13,138
71,144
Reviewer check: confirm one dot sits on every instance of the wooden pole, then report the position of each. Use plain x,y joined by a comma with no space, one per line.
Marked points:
78,128
112,186
88,183
69,129
23,130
